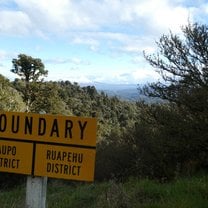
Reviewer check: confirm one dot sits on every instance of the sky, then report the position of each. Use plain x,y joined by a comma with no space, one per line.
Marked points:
92,41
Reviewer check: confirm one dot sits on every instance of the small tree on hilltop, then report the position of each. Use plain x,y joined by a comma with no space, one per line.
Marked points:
31,70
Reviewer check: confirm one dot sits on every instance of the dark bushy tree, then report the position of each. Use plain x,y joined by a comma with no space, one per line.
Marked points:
165,142
183,65
182,62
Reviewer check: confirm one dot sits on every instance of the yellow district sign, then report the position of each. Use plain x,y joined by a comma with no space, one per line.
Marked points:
48,145
16,157
64,162
48,128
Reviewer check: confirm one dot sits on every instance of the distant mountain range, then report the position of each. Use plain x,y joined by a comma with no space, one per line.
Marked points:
122,91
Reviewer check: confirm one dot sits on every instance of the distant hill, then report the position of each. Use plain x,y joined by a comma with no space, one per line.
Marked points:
126,94
122,91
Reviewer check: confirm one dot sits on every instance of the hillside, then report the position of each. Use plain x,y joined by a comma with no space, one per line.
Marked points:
138,139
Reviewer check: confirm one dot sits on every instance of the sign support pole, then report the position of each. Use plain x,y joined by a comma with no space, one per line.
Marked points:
36,189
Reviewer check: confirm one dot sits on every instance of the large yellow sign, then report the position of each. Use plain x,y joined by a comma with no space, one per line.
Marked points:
64,162
48,128
48,145
16,157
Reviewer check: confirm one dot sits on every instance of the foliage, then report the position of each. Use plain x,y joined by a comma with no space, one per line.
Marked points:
162,144
111,112
30,70
184,193
165,143
10,99
46,98
182,64
181,127
114,158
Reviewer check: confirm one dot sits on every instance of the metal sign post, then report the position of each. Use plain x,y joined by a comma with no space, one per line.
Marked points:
36,189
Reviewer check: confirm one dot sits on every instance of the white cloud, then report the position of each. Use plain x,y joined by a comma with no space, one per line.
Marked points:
110,75
200,13
5,71
3,54
6,56
55,16
124,76
138,76
144,74
71,77
14,23
162,15
91,42
117,42
72,60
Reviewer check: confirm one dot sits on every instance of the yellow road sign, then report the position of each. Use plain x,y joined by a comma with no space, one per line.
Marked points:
48,145
16,157
64,162
48,128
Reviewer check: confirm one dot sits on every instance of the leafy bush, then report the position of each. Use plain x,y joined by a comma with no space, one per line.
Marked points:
163,145
114,158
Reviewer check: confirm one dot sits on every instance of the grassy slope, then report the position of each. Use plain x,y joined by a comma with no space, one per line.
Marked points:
183,193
